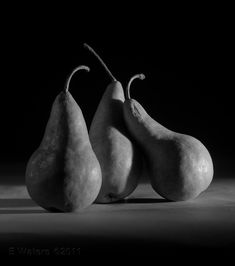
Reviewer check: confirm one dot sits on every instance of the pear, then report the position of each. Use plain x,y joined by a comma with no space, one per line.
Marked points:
118,155
63,174
179,166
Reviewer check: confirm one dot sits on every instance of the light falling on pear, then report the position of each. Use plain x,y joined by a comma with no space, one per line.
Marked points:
118,154
180,167
63,174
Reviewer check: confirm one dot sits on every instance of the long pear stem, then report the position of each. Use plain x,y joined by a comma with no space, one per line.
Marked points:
100,60
71,75
139,76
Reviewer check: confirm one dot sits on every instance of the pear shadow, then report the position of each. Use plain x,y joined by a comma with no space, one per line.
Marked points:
146,200
5,203
10,206
16,211
139,200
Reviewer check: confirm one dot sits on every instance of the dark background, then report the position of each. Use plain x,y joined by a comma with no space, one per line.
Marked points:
188,85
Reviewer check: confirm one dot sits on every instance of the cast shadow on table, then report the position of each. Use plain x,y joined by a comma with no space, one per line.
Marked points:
4,203
18,206
16,211
141,201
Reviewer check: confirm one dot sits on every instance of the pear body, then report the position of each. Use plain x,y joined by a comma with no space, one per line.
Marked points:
117,154
179,166
63,174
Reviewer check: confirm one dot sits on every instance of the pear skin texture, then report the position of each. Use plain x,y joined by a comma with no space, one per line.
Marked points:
118,155
63,174
179,166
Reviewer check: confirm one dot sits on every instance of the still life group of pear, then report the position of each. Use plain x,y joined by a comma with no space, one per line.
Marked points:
73,168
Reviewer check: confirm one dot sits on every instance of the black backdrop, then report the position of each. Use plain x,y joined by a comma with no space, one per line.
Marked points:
188,85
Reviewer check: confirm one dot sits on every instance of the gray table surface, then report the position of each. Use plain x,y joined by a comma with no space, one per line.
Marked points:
142,223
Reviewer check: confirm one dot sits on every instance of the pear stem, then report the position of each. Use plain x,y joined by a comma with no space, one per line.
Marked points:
100,60
71,75
139,76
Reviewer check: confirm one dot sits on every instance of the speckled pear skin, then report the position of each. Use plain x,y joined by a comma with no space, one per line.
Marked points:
117,152
179,166
63,174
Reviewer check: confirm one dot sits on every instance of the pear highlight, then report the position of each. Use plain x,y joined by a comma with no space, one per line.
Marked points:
117,153
63,174
179,166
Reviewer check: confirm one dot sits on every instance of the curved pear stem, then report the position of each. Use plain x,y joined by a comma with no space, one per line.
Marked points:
100,60
139,76
71,75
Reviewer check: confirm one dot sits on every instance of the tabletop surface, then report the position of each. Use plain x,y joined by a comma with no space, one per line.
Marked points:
141,223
